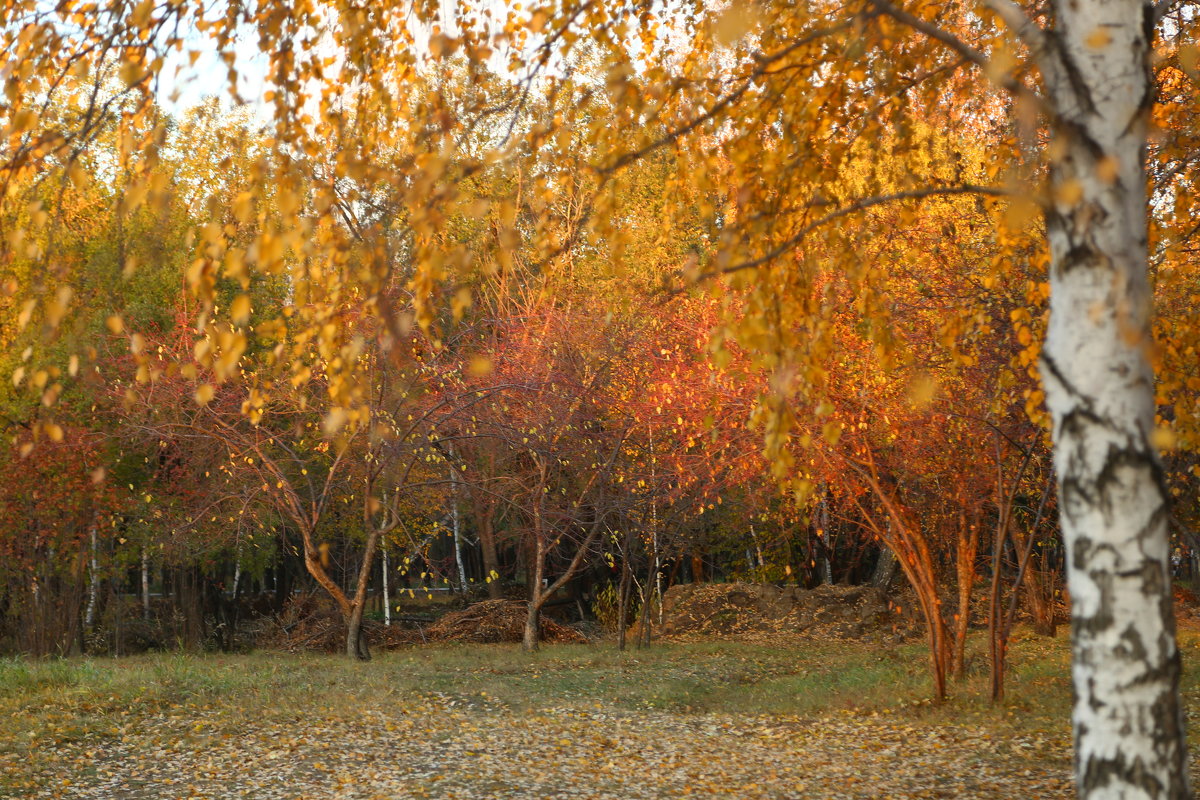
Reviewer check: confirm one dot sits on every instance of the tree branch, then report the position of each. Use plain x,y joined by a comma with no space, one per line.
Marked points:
858,205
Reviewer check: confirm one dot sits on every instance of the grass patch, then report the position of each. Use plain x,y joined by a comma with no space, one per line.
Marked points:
169,702
715,677
78,697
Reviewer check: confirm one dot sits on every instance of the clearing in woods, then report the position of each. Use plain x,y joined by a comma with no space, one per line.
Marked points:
714,719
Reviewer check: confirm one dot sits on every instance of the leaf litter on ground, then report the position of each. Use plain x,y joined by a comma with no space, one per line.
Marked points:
679,720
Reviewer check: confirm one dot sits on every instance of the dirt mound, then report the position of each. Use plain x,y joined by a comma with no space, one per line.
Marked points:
748,611
496,621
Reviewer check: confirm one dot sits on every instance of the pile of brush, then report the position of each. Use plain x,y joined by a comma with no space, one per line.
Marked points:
497,621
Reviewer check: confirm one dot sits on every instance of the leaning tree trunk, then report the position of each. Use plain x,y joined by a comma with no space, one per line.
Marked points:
533,616
1129,733
356,642
964,562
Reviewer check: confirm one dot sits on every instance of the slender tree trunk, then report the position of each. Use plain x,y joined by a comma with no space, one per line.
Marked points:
146,585
997,642
116,609
487,547
822,541
623,594
647,597
387,597
1099,383
968,546
237,571
456,526
356,642
89,618
529,641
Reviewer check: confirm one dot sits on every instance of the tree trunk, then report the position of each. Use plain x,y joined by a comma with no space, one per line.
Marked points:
822,542
145,585
529,640
647,597
623,594
237,571
1099,384
356,643
89,619
387,595
997,641
487,546
1037,584
456,525
885,569
533,621
968,546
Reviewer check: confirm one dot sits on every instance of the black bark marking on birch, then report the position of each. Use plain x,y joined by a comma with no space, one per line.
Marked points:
1076,135
1080,90
1168,722
1131,457
1081,255
1094,703
1099,772
1102,619
1166,669
1084,403
1134,649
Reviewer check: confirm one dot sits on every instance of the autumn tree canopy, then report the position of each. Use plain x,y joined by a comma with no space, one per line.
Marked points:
577,269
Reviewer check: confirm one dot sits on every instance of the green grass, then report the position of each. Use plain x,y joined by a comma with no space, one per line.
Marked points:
72,698
724,677
45,705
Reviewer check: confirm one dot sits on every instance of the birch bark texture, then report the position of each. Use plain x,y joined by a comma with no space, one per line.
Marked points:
1099,384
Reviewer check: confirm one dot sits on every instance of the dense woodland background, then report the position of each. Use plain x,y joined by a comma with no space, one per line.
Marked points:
573,420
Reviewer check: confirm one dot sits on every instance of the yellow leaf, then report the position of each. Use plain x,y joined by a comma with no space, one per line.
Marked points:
922,391
204,394
1163,438
735,22
1068,193
239,311
832,431
1099,38
479,366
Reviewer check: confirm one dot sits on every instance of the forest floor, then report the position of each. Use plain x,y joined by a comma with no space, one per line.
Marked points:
800,720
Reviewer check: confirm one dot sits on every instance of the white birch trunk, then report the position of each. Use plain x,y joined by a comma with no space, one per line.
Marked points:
387,597
146,585
1099,386
456,524
89,617
237,567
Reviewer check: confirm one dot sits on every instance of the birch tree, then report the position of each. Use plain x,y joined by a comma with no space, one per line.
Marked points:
1099,383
